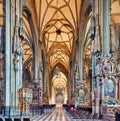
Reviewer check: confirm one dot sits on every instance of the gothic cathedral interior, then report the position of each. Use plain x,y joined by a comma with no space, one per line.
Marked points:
59,52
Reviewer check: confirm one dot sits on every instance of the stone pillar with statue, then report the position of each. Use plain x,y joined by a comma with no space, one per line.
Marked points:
111,101
17,65
104,78
46,85
95,56
77,80
40,77
110,81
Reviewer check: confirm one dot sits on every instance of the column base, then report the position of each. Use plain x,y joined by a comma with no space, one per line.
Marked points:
100,116
15,113
6,112
95,116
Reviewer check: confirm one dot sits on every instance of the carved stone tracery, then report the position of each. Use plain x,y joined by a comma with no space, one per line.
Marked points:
105,66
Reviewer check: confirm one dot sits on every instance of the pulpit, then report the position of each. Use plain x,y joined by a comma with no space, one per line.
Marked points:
25,98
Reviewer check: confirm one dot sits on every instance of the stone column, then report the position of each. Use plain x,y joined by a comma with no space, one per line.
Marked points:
78,73
69,88
101,92
116,90
45,83
7,57
21,56
17,61
80,60
93,77
92,37
97,95
36,65
106,28
112,38
77,79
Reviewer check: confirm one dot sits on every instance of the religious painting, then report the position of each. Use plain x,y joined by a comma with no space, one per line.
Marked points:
81,96
109,90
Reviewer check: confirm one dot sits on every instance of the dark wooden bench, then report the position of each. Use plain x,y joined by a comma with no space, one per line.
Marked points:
26,119
8,119
1,119
17,119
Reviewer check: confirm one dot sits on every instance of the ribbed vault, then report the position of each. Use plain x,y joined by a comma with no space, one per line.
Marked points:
59,81
58,22
116,12
1,13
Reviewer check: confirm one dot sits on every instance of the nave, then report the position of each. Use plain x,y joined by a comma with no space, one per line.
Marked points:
60,51
59,114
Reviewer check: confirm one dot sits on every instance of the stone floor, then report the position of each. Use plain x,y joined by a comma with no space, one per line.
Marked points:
59,114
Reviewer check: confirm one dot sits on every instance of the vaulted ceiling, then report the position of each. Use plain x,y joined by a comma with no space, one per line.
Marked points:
1,12
59,81
116,12
58,25
58,21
